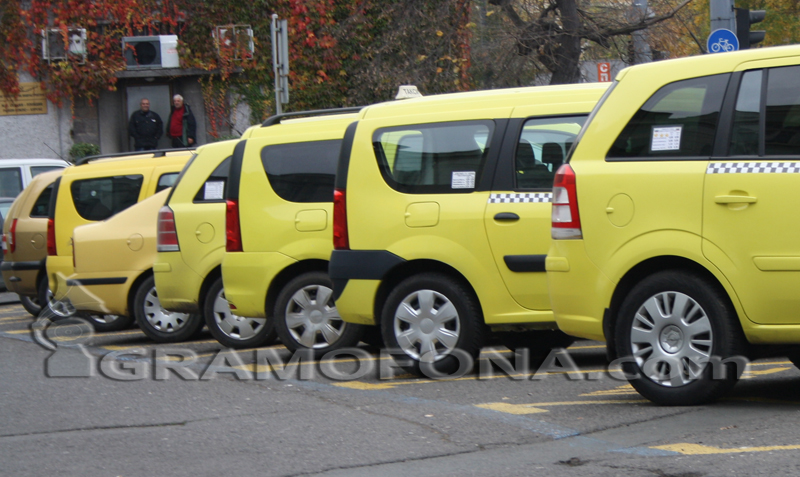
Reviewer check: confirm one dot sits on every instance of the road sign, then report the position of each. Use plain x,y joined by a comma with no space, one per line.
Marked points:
722,40
604,72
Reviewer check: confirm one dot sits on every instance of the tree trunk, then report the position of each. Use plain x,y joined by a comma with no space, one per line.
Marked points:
568,53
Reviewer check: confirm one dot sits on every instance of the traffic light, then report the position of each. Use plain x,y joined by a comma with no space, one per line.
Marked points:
745,18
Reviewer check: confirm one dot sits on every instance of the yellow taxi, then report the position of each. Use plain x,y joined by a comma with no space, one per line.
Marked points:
442,216
24,243
94,192
669,221
278,235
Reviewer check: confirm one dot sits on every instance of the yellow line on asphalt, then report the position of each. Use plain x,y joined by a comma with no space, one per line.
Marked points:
15,318
16,332
699,449
535,408
148,345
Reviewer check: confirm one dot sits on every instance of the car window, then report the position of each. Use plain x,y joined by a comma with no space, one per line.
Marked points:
215,187
35,170
433,158
4,206
100,198
746,128
166,180
302,172
10,181
40,207
782,125
542,148
679,120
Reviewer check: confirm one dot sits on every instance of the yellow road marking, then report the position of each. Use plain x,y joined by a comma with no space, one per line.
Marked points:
17,332
698,449
148,345
535,408
624,389
247,350
749,374
15,318
363,386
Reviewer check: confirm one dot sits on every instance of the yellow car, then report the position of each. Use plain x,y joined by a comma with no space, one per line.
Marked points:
191,243
25,245
673,240
442,217
93,192
278,235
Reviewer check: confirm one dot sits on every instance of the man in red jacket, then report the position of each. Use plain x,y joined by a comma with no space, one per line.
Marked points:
181,126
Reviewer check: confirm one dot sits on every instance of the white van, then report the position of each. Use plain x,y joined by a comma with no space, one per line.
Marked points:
15,174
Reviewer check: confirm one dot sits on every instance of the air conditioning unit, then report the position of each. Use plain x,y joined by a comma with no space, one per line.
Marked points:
143,52
237,37
55,49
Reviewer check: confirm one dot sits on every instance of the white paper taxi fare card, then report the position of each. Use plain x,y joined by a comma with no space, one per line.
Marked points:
462,180
666,138
214,190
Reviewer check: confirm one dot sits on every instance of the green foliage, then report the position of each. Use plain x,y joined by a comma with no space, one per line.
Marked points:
82,149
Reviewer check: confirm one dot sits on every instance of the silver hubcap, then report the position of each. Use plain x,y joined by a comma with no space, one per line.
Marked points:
312,319
235,326
161,319
106,319
671,339
59,308
426,325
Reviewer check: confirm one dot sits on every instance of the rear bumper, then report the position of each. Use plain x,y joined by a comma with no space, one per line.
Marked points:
93,292
21,277
356,276
579,291
177,284
247,277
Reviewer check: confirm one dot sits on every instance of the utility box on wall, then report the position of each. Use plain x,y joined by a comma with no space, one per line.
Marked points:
142,52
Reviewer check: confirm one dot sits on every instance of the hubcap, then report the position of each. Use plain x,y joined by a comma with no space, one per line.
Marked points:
235,326
671,339
58,307
106,319
312,319
161,319
426,325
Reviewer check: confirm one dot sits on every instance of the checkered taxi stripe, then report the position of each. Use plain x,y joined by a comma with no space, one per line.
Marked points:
520,198
753,168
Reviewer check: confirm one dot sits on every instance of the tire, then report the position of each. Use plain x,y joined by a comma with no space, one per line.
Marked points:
159,324
538,342
31,304
414,334
53,309
669,326
234,331
306,317
106,323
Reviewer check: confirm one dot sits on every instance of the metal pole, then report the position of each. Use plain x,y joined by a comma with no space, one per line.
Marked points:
276,64
722,15
641,48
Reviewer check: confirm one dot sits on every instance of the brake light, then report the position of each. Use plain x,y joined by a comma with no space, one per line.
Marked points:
341,241
12,237
233,233
566,219
51,237
167,236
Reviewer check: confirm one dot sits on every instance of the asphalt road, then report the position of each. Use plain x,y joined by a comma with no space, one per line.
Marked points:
244,413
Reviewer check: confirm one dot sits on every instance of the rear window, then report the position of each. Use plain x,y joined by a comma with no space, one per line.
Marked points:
433,158
302,172
542,148
215,187
679,120
100,198
42,204
36,170
10,181
166,181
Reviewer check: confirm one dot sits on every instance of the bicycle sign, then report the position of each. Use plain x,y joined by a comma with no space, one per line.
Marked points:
722,40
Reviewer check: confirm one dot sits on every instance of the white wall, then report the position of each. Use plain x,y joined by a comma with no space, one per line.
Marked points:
29,136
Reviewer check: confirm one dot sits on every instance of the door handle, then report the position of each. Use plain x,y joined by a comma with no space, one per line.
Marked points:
735,199
506,216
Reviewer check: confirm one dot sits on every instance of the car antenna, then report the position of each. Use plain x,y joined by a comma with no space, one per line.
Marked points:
57,154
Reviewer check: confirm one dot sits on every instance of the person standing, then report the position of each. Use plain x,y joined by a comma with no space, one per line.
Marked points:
181,126
145,127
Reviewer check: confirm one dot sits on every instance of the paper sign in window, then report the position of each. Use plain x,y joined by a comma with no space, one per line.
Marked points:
666,138
462,180
214,190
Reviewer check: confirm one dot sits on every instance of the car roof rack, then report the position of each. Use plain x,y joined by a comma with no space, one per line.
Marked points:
276,119
154,152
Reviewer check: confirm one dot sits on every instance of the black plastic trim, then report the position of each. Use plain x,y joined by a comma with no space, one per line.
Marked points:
658,159
51,208
235,172
344,156
154,152
276,119
359,265
97,281
525,263
722,140
178,180
6,266
506,216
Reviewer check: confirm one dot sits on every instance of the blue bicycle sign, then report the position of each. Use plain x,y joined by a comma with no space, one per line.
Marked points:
721,41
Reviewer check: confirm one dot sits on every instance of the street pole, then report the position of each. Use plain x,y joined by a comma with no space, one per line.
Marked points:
641,48
280,61
722,15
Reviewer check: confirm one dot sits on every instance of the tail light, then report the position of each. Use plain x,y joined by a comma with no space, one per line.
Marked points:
10,240
233,233
341,241
51,237
167,237
566,219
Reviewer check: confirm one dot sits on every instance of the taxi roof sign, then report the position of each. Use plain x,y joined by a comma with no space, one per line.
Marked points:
408,91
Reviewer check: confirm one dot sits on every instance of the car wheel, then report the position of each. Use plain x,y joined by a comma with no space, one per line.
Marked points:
426,319
31,304
234,331
103,323
52,308
676,334
306,316
159,324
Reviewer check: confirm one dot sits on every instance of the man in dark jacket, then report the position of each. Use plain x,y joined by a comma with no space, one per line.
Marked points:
145,127
181,126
